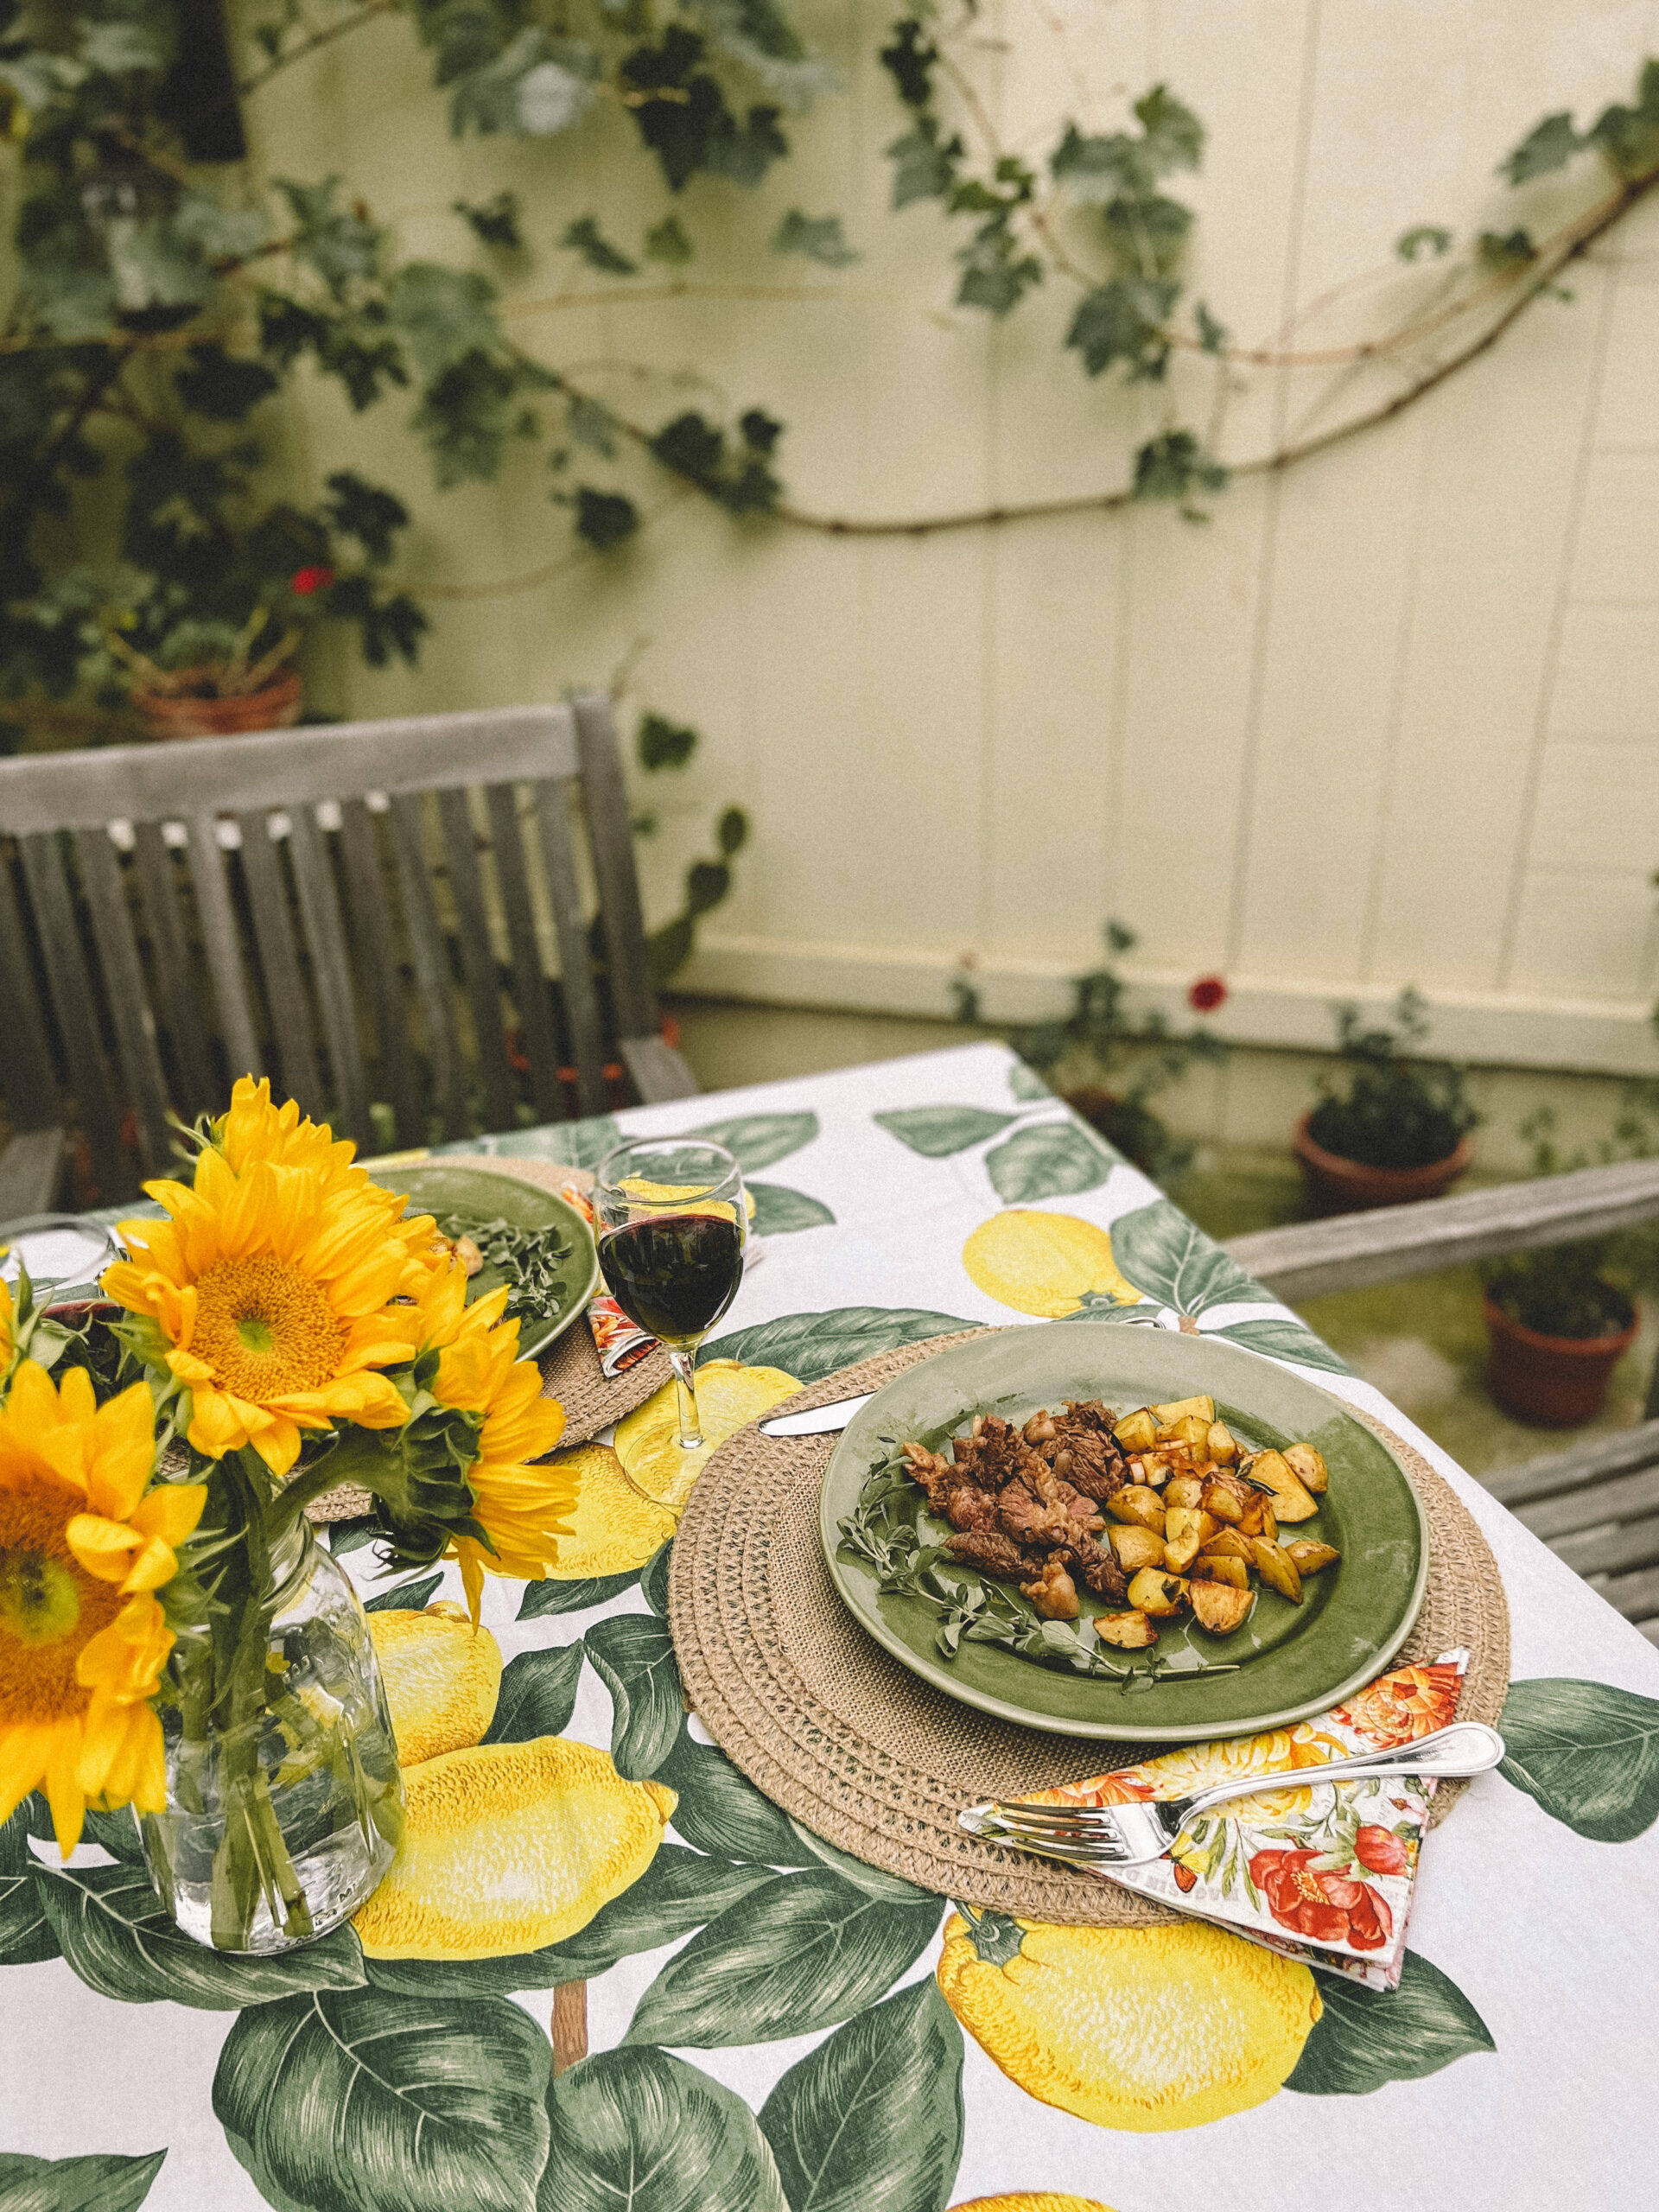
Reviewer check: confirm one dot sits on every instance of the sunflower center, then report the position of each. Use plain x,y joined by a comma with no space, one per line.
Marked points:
265,1329
50,1607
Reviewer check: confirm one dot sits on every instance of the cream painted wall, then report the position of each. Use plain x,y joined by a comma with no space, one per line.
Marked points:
1392,716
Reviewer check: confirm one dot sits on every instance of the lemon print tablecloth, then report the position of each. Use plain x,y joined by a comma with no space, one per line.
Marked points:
608,1975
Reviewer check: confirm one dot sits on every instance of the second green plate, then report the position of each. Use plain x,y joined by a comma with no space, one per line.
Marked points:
1293,1660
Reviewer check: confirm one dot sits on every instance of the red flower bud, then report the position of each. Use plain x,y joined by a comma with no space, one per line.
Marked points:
1206,995
304,582
1379,1851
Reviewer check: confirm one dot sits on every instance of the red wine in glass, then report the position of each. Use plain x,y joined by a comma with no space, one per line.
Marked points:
674,1274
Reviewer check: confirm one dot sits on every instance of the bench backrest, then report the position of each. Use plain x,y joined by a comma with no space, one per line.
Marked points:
364,911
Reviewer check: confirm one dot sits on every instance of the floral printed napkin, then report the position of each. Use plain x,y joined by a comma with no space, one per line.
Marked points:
1322,1875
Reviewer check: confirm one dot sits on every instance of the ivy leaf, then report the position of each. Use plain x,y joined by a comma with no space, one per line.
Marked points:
1586,1752
365,513
1212,335
1148,234
1054,1159
873,2115
341,245
643,2128
937,1131
1504,253
634,1656
425,2107
1174,467
995,276
445,314
1548,145
1173,137
605,519
779,1212
1165,1257
1124,321
1629,138
1423,237
924,164
1095,169
103,2180
681,113
537,86
811,1346
758,36
494,222
664,744
585,237
760,1140
666,242
818,238
115,1933
220,386
908,58
805,1951
1365,2037
537,1695
590,425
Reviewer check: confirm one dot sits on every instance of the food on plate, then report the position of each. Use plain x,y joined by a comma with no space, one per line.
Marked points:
1164,1513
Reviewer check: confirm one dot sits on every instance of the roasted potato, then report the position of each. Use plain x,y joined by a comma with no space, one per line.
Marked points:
1137,1432
1222,1566
1219,1608
1227,1544
1135,1547
1158,1595
1154,1472
1308,1468
1183,1536
1221,1444
1136,1502
1276,1567
1180,1407
1271,1471
1310,1557
1184,1489
1127,1632
1188,1430
1259,1519
1224,1498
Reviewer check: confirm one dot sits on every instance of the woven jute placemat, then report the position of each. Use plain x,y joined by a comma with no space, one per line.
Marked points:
570,1372
878,1763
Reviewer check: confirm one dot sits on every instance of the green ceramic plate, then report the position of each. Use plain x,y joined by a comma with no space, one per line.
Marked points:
1293,1660
471,1195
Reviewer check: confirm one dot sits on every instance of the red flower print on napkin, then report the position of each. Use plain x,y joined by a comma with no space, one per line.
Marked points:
1317,1904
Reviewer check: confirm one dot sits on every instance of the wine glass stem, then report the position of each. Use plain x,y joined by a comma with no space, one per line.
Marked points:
684,1360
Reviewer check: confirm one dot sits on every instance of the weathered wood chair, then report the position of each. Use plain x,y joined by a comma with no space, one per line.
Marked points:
1597,1505
367,911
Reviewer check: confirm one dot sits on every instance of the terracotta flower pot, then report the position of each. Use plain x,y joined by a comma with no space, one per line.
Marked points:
1339,1185
277,707
1555,1382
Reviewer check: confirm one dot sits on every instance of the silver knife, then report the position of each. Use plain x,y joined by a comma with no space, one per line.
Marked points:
823,1420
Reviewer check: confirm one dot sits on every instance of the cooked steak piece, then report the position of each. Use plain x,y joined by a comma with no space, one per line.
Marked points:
1040,1508
1086,1414
967,1506
1090,1463
991,1552
936,1476
1097,1565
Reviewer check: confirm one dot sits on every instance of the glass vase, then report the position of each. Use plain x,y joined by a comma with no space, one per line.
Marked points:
285,1805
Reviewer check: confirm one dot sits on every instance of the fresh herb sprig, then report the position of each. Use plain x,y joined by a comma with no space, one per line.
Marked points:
971,1609
531,1261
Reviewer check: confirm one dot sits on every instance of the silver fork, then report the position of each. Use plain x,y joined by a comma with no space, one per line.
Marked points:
1132,1835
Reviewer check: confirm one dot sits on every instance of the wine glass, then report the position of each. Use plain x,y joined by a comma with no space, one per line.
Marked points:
671,1221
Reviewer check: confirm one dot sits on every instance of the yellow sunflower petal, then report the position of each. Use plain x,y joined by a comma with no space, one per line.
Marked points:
105,1548
728,1395
24,1749
63,1791
171,1511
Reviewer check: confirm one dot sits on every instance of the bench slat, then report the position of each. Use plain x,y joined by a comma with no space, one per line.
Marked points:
1595,1503
1610,1551
1636,1596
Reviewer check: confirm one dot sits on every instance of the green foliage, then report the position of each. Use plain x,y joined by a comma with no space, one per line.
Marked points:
1587,1288
818,238
584,238
1398,1111
1423,237
494,221
735,474
667,241
663,744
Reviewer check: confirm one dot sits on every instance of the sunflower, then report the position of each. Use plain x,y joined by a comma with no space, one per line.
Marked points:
523,1509
83,1547
272,1291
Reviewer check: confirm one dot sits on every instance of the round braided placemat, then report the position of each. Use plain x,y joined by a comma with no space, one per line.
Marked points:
879,1762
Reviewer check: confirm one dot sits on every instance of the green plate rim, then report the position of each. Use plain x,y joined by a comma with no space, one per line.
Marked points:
560,1214
857,1585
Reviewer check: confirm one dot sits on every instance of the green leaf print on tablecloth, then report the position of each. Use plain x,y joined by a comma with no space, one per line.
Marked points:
1052,1161
26,1935
811,1346
567,1144
1026,1082
756,1140
779,1212
542,1599
537,1694
874,2116
722,1812
1586,1752
340,2100
803,1952
102,2182
937,1131
639,2131
1279,1337
680,1891
653,1581
1165,1257
1365,2037
407,1596
113,1931
634,1655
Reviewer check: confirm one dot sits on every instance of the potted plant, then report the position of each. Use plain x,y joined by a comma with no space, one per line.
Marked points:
1399,1131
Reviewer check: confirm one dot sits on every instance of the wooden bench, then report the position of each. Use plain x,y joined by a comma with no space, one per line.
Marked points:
1595,1505
364,911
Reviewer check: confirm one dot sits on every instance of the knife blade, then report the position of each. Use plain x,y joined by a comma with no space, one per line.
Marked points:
823,1420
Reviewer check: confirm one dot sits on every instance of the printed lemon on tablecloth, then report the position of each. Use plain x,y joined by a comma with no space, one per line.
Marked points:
1045,1263
1145,2029
612,1528
1028,2200
509,1847
728,1395
442,1677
